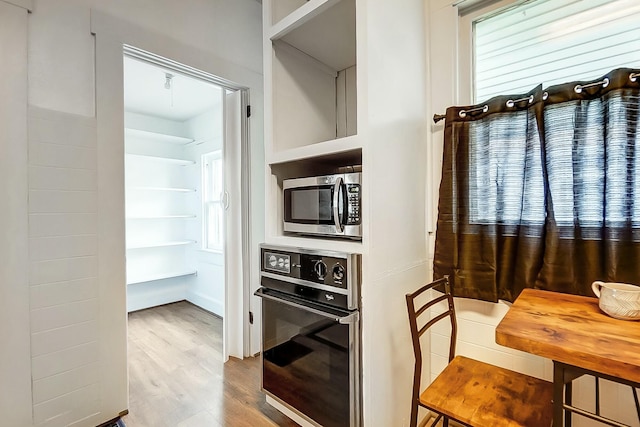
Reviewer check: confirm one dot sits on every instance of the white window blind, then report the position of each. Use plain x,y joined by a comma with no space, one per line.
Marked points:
553,41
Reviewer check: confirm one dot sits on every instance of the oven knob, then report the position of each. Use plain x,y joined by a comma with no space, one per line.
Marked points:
273,260
321,269
338,273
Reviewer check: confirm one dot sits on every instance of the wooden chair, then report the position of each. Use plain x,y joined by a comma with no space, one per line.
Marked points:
468,391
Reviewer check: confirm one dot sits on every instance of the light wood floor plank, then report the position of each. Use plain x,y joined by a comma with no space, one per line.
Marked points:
177,378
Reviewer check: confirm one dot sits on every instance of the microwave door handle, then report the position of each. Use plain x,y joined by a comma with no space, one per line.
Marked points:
336,200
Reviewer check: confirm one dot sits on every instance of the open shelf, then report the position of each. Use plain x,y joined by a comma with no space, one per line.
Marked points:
324,30
329,244
313,74
159,276
162,244
161,216
156,136
335,149
168,189
180,162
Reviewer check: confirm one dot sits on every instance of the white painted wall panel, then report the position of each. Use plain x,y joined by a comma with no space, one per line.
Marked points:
63,249
49,248
41,201
61,181
60,270
15,369
65,382
57,339
54,224
45,128
79,404
64,156
51,294
56,178
48,318
391,122
65,360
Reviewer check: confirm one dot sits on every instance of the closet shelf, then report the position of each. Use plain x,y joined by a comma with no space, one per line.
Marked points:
160,276
181,162
169,189
155,136
162,244
161,216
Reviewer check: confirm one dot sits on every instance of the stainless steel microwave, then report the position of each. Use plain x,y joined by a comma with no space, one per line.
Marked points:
324,205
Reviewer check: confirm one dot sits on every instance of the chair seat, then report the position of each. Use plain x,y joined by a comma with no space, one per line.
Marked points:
484,395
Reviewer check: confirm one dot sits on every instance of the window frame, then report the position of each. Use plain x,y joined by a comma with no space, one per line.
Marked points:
211,200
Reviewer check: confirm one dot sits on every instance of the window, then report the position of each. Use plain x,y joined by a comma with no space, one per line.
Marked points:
537,191
550,42
212,201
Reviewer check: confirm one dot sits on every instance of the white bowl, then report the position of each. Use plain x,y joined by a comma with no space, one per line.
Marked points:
618,300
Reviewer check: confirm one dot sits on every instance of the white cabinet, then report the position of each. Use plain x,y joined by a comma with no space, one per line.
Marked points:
311,89
345,84
310,55
160,201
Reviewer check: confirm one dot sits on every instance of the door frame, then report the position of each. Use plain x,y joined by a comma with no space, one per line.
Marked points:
111,34
232,344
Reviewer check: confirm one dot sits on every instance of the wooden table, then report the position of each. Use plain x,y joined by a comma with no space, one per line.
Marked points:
579,338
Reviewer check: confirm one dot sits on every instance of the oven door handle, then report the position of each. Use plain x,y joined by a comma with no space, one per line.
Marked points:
345,320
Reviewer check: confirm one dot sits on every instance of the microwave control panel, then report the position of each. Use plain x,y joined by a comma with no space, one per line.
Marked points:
353,204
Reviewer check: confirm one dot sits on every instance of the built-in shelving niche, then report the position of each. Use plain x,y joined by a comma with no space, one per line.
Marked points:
313,72
321,164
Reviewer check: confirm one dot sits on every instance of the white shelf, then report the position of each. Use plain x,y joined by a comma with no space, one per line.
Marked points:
155,136
319,149
168,189
323,29
161,217
162,244
181,162
160,276
299,16
330,244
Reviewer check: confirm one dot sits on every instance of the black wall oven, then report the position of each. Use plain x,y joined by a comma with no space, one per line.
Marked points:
311,333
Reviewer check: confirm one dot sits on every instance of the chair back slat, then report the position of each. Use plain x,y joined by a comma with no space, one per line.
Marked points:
415,318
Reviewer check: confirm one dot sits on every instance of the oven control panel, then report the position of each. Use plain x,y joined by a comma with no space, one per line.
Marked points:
280,263
325,270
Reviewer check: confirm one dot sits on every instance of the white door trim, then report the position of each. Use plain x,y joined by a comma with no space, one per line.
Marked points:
111,36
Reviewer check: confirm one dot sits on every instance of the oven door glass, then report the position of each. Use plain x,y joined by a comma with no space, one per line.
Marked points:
307,363
312,205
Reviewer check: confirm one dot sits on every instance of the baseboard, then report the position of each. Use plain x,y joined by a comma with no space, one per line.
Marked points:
206,302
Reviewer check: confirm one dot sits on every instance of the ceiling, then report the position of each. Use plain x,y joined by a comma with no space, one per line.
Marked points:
145,92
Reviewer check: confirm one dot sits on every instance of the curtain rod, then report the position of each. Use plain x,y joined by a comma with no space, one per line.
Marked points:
438,117
511,102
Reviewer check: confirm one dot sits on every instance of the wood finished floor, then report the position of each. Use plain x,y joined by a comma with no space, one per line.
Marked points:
177,378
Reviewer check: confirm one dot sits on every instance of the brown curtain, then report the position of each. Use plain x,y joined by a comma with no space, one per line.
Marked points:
542,190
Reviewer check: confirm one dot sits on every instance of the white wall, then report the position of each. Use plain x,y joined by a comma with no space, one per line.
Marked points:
391,122
15,360
207,288
65,259
477,319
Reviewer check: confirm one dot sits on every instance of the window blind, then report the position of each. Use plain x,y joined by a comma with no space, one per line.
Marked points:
552,42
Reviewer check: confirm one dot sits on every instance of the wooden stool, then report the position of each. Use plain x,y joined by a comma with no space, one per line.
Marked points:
468,391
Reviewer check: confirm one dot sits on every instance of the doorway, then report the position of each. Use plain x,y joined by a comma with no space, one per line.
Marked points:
185,214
